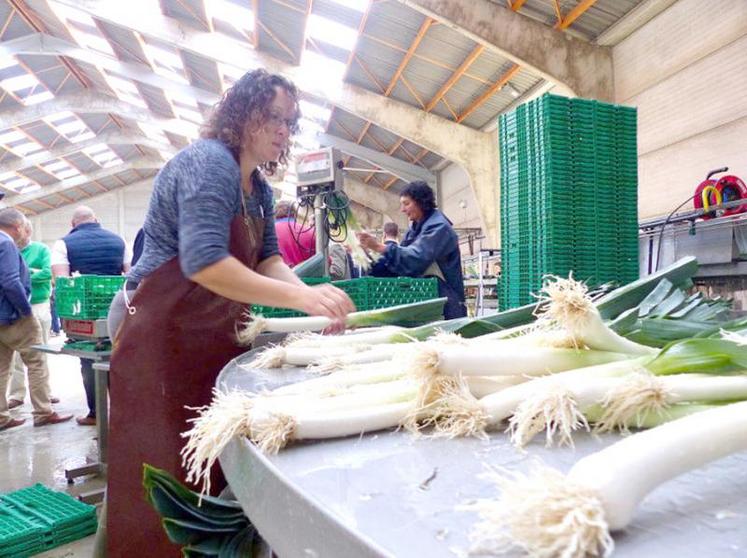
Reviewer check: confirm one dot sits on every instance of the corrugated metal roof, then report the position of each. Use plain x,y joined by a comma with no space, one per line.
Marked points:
388,34
592,23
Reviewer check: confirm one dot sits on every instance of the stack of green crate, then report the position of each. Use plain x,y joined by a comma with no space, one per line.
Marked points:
86,297
568,195
36,519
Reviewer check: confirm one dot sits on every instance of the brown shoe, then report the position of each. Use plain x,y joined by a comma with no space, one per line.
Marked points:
54,400
13,403
12,423
54,418
86,421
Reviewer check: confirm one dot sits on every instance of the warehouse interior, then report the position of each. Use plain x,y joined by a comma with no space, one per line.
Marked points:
98,95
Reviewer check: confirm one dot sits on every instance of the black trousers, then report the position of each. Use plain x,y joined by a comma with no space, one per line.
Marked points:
89,384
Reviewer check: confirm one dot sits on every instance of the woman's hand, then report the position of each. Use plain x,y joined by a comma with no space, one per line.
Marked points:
369,242
329,301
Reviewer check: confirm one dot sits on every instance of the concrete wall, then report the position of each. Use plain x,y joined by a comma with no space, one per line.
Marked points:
121,211
454,192
686,71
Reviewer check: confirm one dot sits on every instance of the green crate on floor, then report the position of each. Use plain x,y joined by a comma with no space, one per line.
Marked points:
86,297
36,519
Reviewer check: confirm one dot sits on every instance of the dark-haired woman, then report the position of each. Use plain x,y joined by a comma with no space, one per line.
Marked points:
210,250
430,248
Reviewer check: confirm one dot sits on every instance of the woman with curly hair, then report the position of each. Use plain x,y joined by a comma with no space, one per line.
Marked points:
210,251
430,248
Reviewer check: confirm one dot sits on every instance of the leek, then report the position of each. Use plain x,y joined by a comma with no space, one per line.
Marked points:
425,311
566,303
550,514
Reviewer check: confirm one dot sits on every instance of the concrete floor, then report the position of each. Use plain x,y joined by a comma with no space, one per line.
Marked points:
29,455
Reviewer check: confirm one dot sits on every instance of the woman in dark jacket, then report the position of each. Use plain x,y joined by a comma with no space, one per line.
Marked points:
430,248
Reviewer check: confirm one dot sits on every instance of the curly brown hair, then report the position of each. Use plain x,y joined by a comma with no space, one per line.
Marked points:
249,99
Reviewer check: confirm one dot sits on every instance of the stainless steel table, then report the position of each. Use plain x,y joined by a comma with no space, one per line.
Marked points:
387,494
101,367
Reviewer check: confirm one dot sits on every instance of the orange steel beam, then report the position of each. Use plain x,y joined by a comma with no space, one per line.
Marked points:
574,14
402,65
423,153
454,77
408,55
306,15
421,57
516,4
7,22
412,91
504,79
255,33
274,37
558,13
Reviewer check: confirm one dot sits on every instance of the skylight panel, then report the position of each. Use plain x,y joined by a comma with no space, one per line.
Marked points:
54,166
37,98
358,5
19,83
82,28
67,173
188,114
328,31
96,149
26,148
238,17
12,136
310,127
323,70
29,188
166,63
71,127
125,90
313,111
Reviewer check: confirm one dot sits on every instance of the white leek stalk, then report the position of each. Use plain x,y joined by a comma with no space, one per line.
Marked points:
427,310
568,305
549,514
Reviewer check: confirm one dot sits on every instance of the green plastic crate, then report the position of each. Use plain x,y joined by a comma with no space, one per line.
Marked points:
371,293
368,293
86,297
568,194
36,519
272,312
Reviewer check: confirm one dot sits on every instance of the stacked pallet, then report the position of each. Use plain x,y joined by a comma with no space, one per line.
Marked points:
568,196
36,519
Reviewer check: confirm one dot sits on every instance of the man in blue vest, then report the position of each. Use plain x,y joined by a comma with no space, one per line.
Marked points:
89,249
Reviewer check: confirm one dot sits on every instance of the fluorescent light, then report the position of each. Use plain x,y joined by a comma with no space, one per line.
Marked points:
332,32
515,93
55,166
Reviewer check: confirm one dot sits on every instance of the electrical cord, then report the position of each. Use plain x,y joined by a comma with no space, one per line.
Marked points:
335,206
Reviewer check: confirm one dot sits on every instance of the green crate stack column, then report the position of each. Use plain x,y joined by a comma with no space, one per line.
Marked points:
569,194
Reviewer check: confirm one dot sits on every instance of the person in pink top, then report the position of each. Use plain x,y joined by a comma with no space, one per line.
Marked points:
296,242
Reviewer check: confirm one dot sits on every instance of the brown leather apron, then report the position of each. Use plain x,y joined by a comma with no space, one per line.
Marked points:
167,356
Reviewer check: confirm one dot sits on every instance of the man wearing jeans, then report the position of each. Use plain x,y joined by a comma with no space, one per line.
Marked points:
89,249
19,329
36,256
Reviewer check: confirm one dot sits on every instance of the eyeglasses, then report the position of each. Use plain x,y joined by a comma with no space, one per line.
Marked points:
276,120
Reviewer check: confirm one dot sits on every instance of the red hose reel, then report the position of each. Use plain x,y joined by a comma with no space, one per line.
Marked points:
712,192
